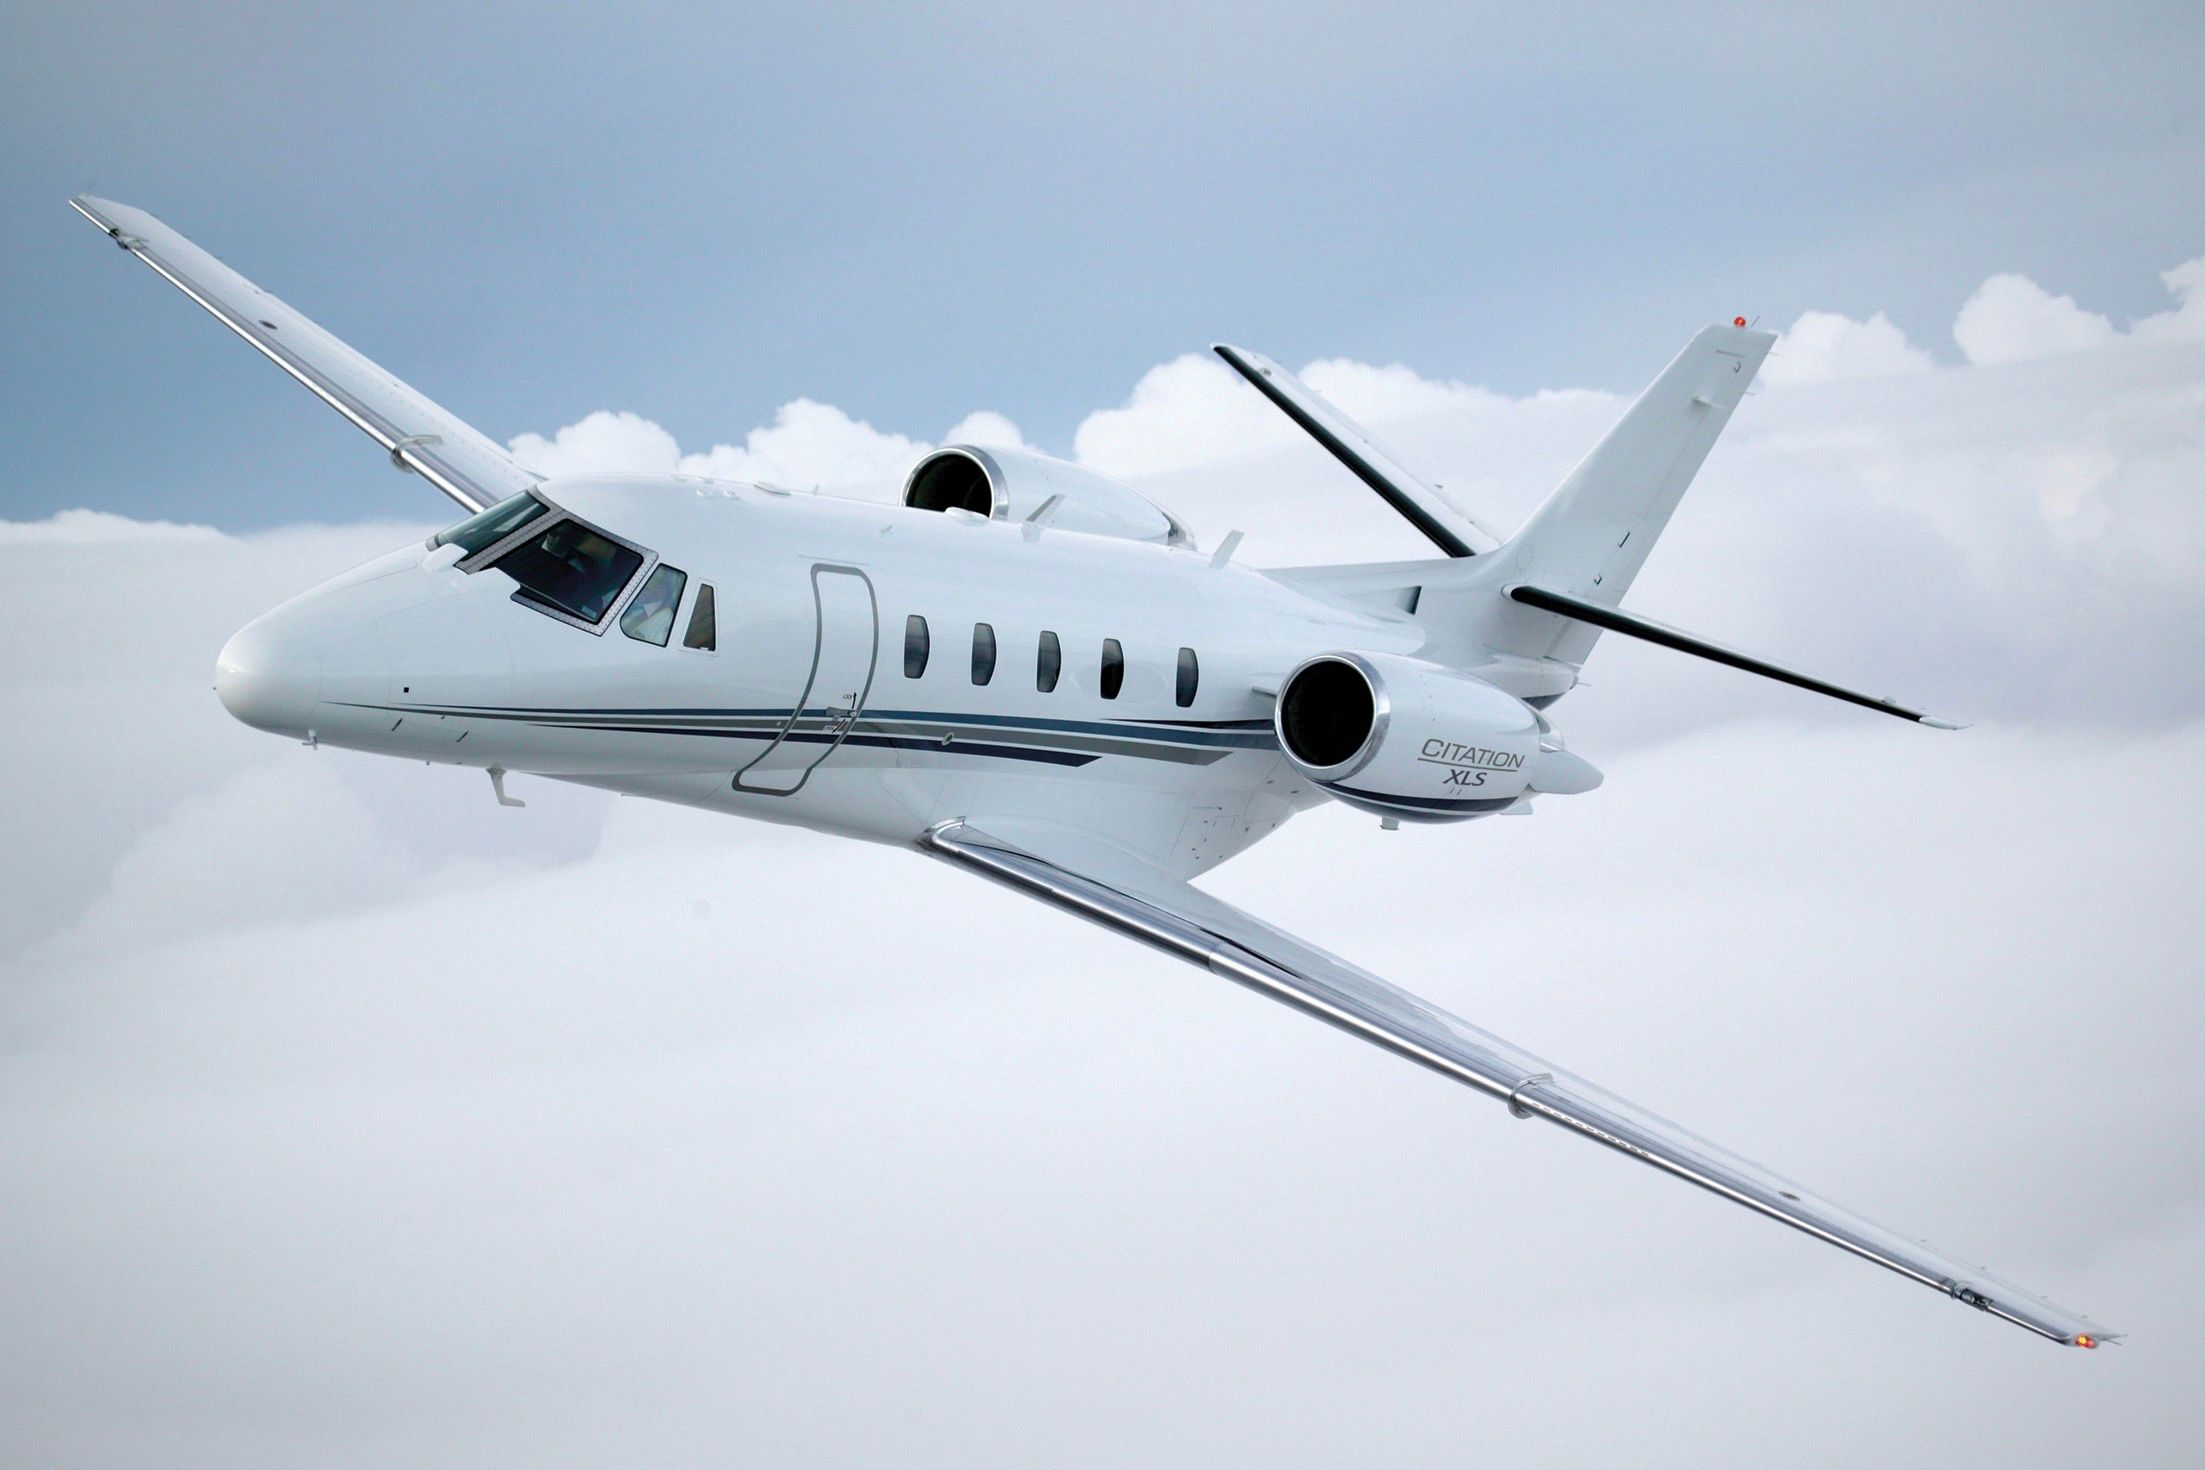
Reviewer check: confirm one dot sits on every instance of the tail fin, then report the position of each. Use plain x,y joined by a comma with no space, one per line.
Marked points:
1525,616
1593,534
1591,537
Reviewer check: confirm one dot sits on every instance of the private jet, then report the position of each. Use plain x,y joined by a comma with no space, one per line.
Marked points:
1028,671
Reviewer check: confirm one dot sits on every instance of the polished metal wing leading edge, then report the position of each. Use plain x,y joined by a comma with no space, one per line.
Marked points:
1181,920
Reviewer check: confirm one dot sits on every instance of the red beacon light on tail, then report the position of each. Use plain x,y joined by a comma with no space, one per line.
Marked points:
1737,321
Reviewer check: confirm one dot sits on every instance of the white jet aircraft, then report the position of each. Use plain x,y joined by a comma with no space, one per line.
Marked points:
1027,670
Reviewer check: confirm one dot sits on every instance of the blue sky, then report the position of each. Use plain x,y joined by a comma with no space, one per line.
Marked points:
698,213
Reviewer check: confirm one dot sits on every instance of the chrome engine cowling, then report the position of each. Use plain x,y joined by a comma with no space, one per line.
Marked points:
1410,739
1012,484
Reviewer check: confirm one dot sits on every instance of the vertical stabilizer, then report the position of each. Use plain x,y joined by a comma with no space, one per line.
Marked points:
1593,534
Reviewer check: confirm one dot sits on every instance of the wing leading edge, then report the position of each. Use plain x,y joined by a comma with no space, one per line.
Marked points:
417,434
1181,920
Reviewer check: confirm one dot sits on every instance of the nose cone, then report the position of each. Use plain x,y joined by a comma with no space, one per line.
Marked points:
269,677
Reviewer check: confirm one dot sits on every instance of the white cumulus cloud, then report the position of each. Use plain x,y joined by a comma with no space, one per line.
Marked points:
1189,411
97,528
2186,322
985,427
2011,318
603,442
808,444
1827,347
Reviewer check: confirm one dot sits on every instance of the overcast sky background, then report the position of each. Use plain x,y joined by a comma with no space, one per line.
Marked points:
348,1118
699,212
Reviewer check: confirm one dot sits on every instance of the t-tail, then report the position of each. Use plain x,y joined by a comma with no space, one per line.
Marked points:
1525,612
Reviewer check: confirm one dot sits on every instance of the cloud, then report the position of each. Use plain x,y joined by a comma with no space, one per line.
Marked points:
1962,536
807,444
2022,546
1825,347
353,1118
2186,322
1192,410
97,528
660,1148
2011,318
985,427
603,442
277,843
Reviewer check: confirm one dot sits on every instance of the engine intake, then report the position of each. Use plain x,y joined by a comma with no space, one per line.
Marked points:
1409,739
1012,484
953,479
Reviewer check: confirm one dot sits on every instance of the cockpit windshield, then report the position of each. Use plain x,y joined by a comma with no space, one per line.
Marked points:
491,525
572,569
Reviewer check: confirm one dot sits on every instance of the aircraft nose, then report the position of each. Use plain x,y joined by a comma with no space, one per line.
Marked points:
268,677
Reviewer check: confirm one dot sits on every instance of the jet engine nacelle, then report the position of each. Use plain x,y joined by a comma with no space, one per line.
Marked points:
1409,739
1013,484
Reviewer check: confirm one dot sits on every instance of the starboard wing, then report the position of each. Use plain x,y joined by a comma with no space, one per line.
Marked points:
1120,893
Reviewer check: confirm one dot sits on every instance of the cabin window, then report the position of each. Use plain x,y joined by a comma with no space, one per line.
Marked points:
704,623
649,615
1190,675
1048,663
490,526
1113,668
914,646
983,653
572,569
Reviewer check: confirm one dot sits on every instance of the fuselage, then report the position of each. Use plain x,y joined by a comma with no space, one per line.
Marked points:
872,670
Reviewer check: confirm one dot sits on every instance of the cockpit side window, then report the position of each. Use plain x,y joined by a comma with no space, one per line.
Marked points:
572,569
489,526
649,615
704,623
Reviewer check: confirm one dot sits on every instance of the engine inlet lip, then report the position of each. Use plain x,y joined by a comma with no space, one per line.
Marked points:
991,474
1381,714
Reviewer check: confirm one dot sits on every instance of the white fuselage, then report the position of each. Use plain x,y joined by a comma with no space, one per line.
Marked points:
411,656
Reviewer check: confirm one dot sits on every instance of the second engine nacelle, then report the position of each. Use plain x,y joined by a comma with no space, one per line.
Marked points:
1013,484
1410,739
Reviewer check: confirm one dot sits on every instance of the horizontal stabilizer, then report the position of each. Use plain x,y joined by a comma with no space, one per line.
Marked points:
1616,621
417,434
1449,528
